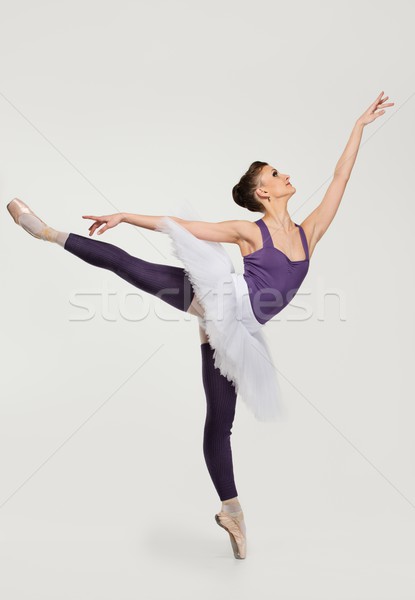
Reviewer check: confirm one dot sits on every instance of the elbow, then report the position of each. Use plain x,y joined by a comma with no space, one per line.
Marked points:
341,176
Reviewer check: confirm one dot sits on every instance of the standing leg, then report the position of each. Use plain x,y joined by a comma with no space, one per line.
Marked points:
220,413
221,403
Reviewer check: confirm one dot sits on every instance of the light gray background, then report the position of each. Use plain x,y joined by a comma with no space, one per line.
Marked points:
143,107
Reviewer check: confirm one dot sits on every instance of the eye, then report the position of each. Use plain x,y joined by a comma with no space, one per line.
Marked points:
274,173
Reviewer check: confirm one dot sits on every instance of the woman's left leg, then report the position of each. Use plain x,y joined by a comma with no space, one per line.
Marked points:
221,403
220,412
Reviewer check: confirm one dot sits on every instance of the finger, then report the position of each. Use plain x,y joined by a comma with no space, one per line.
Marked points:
377,99
93,227
89,217
102,230
95,224
388,104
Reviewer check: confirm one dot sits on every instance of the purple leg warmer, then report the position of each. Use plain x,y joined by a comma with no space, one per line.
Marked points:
167,282
221,402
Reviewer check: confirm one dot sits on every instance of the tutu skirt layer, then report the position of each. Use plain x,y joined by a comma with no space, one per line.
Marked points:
241,352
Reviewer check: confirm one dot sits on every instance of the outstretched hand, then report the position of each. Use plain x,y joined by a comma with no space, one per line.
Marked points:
107,220
375,110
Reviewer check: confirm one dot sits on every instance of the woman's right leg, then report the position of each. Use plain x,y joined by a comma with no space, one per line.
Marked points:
167,282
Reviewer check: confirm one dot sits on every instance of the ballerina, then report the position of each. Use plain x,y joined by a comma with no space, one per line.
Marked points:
235,356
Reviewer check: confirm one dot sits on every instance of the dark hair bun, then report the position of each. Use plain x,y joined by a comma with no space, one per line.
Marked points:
243,192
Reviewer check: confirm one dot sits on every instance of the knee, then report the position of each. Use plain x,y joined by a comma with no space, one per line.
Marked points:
218,423
216,433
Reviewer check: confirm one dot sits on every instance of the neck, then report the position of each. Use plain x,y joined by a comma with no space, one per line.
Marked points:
279,218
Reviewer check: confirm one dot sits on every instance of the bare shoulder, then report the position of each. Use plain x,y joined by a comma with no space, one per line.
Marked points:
247,230
232,232
249,236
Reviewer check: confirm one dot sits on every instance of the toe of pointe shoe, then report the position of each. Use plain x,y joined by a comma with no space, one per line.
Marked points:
17,208
232,526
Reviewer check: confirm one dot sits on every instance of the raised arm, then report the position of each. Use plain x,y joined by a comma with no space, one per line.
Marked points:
318,221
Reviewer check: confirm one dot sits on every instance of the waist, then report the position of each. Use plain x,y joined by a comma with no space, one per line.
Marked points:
266,302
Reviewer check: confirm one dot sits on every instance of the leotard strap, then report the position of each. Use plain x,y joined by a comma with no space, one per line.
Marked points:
267,239
266,236
304,240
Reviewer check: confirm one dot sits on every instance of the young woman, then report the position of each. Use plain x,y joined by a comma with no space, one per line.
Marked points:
231,307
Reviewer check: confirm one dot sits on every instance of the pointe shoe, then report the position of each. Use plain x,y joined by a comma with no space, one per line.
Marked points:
237,537
17,208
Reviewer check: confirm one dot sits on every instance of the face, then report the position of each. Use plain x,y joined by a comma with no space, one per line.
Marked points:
274,184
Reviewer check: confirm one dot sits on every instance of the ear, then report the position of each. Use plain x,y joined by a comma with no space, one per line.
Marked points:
263,194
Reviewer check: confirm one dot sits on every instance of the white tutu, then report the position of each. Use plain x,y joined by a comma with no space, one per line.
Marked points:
241,352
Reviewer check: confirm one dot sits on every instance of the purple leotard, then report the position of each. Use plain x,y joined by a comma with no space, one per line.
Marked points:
272,278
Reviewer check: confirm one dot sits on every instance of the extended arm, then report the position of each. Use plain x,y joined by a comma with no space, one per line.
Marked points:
318,221
224,231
